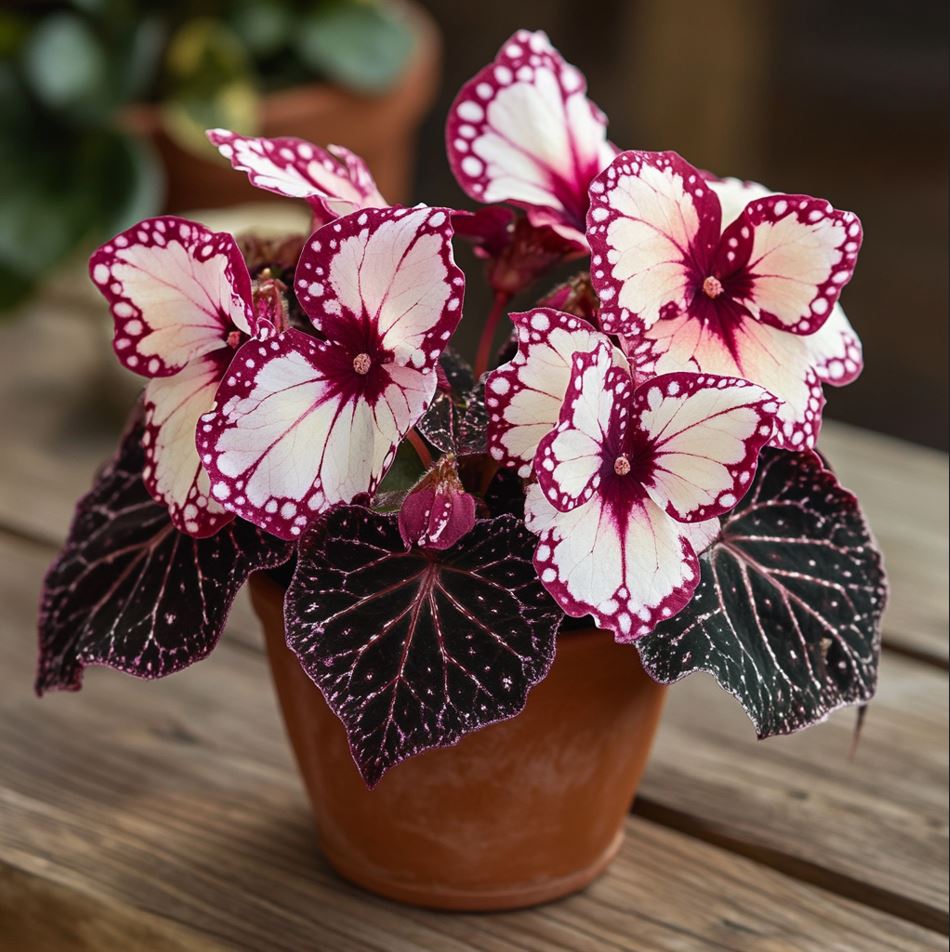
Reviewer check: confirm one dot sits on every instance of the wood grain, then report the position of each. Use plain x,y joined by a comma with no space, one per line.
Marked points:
175,804
169,814
903,490
39,913
872,826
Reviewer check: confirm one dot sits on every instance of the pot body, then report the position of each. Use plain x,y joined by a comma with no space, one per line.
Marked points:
517,813
381,129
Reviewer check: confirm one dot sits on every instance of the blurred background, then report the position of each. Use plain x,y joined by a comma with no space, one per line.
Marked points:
102,103
846,100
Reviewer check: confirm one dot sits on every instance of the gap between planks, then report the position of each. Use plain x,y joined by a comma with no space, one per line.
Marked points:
830,880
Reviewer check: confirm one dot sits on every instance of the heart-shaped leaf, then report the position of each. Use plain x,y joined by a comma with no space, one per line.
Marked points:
131,592
414,649
457,420
787,613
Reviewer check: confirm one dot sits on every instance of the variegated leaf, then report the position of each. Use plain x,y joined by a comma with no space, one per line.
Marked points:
131,592
787,613
413,649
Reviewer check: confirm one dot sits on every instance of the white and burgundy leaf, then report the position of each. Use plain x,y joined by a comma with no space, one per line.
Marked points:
173,473
787,615
384,280
835,350
412,650
524,396
653,223
622,560
730,304
333,181
571,457
176,291
622,473
791,256
293,431
734,194
699,437
788,365
302,424
523,131
130,592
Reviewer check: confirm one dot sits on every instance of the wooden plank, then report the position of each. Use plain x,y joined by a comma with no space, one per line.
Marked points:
40,914
177,799
873,825
903,489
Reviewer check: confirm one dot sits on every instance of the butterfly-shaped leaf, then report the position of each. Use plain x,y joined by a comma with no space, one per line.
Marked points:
787,613
300,423
748,297
413,649
523,131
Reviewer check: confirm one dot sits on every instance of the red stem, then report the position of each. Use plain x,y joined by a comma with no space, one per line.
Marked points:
488,332
421,449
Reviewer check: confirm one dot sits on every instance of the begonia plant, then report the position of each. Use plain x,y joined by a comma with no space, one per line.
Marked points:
639,456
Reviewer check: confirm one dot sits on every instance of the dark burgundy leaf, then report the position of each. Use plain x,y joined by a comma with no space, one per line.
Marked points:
457,420
505,494
131,592
787,613
471,423
414,649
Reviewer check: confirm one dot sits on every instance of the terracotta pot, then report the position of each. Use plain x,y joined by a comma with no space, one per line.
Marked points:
382,129
516,814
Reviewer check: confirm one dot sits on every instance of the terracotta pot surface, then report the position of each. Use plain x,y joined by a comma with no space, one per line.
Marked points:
518,813
382,129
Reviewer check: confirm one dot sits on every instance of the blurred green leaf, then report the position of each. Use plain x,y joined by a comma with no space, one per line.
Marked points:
66,65
14,288
210,83
62,188
136,60
131,185
264,28
363,46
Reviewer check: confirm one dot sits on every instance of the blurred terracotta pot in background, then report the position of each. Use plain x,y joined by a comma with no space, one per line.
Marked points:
518,813
381,129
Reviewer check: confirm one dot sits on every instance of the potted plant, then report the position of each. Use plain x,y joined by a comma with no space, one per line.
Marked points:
476,582
104,106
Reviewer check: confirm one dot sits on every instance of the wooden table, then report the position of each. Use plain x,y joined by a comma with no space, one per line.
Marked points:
169,816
